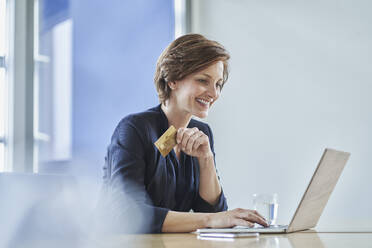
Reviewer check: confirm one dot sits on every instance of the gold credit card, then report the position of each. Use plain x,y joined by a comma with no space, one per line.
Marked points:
167,141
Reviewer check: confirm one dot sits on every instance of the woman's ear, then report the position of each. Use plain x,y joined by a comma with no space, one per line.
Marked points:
172,85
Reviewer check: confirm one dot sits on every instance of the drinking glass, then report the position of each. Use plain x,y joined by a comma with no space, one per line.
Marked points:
267,206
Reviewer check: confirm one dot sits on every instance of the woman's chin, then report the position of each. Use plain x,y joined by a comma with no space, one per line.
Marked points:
201,114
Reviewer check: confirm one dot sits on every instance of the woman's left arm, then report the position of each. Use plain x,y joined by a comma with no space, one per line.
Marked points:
209,188
196,143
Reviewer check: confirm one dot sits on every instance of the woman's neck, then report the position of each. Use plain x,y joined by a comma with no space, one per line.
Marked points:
175,116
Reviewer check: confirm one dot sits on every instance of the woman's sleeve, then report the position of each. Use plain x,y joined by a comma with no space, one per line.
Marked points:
200,204
129,205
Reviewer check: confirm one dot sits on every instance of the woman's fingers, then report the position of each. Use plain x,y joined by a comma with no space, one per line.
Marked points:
251,216
190,139
257,213
242,222
187,134
195,137
180,132
202,140
184,134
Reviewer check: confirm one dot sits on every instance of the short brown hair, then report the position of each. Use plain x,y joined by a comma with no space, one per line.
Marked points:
186,55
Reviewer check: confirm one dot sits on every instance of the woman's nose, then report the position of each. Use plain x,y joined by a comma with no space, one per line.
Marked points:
213,91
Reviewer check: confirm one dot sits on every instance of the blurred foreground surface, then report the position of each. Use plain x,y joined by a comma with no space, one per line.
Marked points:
294,240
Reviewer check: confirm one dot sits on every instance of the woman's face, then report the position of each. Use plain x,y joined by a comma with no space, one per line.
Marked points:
196,93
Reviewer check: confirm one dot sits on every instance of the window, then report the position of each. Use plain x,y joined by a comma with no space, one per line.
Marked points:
2,82
34,60
63,72
52,83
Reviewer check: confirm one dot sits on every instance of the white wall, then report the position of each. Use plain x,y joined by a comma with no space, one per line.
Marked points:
301,81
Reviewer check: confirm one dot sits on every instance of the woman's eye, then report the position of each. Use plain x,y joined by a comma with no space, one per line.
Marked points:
202,80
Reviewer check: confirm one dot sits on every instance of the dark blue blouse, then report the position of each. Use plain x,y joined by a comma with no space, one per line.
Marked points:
136,170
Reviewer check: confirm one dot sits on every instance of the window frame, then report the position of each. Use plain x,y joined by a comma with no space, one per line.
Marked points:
19,64
3,66
182,17
2,61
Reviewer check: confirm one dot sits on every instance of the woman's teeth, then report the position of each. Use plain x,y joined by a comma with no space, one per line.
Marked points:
203,101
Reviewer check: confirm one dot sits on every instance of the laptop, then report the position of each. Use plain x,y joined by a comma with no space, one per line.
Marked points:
312,203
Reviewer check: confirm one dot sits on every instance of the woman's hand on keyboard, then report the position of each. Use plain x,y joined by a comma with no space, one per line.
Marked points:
236,217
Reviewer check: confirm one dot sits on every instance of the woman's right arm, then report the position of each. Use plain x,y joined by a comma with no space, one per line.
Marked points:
189,222
127,206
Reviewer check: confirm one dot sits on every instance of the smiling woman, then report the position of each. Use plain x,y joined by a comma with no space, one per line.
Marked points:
159,192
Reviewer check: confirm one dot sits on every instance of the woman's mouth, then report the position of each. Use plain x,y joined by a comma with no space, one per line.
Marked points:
202,102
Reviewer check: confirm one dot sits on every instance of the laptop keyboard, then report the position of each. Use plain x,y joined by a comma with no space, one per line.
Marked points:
262,227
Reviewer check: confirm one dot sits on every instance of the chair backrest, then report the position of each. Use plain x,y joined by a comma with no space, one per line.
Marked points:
31,206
